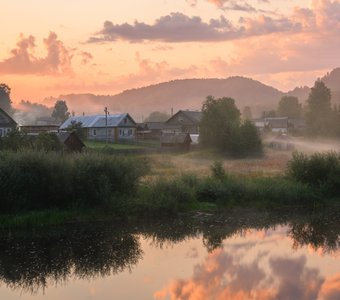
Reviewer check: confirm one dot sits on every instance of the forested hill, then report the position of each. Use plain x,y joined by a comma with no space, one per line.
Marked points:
190,93
178,94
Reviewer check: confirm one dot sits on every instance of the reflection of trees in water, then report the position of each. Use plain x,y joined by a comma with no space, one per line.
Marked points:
319,231
30,263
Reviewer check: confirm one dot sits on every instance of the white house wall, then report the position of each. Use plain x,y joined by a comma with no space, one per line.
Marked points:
123,133
4,131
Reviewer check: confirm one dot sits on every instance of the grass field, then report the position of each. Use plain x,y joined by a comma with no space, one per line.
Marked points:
273,163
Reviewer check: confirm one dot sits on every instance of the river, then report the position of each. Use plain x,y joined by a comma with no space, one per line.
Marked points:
240,255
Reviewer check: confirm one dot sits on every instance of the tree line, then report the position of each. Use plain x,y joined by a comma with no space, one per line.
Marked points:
322,119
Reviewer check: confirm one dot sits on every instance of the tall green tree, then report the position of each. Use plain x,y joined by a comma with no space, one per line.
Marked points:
290,107
60,112
319,113
5,98
219,118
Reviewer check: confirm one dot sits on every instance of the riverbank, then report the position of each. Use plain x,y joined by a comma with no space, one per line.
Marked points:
47,189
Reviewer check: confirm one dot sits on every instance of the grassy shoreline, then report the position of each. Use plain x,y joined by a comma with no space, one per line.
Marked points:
48,189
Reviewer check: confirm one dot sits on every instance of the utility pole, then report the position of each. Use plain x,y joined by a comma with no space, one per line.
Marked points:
106,113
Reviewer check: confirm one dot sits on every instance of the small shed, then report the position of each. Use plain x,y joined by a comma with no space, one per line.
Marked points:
70,141
178,141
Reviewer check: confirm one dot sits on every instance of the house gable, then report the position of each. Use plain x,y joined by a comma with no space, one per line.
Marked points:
182,118
127,121
6,123
6,120
184,121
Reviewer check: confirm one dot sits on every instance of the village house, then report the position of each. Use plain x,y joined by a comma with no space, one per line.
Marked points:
114,128
183,121
272,124
7,124
37,129
150,130
180,141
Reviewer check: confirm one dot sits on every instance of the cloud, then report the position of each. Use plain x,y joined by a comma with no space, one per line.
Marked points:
86,57
192,2
311,47
331,288
227,276
148,70
236,5
178,28
23,61
323,16
296,281
175,27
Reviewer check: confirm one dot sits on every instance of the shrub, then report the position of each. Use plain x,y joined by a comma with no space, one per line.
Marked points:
165,197
38,180
217,170
320,170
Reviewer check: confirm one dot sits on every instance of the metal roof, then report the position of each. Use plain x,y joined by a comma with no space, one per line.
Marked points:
96,121
194,115
278,122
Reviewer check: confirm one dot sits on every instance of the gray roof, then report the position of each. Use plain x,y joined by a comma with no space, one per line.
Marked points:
96,121
155,125
175,138
193,115
6,120
277,122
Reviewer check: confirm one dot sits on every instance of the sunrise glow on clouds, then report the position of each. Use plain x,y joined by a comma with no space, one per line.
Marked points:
104,47
257,264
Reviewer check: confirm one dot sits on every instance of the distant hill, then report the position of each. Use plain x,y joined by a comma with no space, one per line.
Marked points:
189,94
331,80
177,94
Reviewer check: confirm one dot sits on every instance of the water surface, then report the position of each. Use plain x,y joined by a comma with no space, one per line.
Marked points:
243,255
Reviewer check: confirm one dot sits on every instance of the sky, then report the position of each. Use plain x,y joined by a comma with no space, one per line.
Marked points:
49,48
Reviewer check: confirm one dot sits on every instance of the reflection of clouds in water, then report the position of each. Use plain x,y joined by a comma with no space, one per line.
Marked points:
252,238
192,253
295,280
331,288
222,276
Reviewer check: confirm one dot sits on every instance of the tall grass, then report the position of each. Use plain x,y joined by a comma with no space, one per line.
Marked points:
36,180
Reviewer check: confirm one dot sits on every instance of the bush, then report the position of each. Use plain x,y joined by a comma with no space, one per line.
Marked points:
320,170
38,180
165,197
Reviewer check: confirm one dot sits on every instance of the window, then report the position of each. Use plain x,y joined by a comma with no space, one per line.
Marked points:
130,132
0,132
94,132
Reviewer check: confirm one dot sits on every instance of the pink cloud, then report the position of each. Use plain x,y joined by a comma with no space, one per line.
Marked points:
330,290
225,276
23,61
